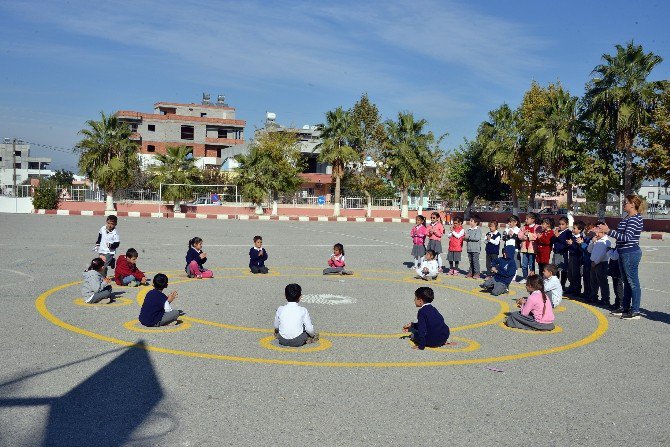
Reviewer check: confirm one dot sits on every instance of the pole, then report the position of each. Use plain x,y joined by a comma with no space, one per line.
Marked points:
14,165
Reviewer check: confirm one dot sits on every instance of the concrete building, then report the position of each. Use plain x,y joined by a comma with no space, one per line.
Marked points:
15,159
209,128
656,192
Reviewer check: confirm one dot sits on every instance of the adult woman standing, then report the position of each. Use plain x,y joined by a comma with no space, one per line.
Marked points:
627,236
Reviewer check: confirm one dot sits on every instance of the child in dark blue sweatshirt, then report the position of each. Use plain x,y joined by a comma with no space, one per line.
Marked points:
257,257
430,330
562,235
504,271
195,260
575,258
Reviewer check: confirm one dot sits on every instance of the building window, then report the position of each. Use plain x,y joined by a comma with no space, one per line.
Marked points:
650,195
151,148
33,165
17,165
133,127
151,127
223,133
202,114
187,132
17,153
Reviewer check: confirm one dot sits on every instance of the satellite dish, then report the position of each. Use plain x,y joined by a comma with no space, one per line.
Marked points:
221,99
206,98
271,116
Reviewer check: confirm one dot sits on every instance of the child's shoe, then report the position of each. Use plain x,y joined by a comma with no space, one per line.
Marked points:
469,275
199,276
133,284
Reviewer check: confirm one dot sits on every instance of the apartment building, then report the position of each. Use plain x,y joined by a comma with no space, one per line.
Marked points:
15,160
209,128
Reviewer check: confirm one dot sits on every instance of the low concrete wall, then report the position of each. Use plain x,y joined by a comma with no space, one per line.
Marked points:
23,205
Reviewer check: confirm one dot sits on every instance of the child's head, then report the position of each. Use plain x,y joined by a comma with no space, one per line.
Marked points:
534,283
131,255
549,270
196,243
423,295
563,223
508,252
112,220
96,264
258,241
293,292
547,223
531,218
475,220
458,221
493,225
160,281
420,220
513,221
430,255
578,227
435,217
338,249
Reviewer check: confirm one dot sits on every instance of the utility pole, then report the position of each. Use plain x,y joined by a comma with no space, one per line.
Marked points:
14,166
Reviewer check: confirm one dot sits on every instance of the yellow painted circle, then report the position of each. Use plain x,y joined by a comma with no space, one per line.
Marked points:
117,302
134,325
471,345
321,345
555,330
560,308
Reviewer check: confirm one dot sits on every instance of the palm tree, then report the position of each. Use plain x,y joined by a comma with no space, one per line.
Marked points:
407,154
334,148
107,155
501,139
176,170
622,99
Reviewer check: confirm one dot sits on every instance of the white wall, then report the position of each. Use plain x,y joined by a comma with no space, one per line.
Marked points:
22,205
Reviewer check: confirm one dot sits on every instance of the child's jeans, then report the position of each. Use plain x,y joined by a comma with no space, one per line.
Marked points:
128,279
527,264
194,269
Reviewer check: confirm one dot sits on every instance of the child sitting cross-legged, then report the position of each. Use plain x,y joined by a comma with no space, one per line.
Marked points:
430,330
429,267
504,271
536,313
156,309
257,257
127,273
293,327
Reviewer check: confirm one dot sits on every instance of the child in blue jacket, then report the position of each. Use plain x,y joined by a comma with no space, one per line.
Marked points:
430,330
504,271
257,257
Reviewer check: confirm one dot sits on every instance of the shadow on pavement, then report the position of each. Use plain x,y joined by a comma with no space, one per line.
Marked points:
654,315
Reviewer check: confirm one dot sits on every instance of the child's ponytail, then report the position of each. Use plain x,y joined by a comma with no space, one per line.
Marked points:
535,282
96,264
192,242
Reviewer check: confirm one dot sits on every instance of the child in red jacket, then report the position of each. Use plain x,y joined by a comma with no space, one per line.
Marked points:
127,273
456,237
543,243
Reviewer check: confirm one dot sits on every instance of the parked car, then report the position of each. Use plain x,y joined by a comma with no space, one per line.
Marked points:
552,211
201,201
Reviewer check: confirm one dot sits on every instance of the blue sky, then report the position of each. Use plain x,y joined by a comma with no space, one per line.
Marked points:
448,62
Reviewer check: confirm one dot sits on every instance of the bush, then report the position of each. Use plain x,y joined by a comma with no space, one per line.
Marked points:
45,198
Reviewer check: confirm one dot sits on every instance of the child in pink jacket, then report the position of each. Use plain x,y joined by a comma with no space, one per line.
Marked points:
536,311
456,237
418,234
336,262
435,232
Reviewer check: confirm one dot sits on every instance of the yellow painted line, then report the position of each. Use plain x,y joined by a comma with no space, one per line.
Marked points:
40,304
560,308
321,345
556,329
134,325
117,303
472,345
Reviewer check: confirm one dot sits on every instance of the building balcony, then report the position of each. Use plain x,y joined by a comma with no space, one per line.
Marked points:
224,141
135,136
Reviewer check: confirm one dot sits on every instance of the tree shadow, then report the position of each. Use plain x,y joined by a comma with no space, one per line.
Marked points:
104,409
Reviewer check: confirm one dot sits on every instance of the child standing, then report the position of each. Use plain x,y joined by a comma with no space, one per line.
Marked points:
96,286
584,243
599,250
560,245
435,232
430,330
543,244
127,273
257,257
336,262
492,249
534,314
575,259
504,271
107,243
195,260
418,235
615,273
293,327
428,268
527,236
156,309
473,237
511,237
456,237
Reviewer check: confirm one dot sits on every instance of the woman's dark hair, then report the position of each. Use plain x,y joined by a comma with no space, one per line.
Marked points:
514,218
160,281
292,292
96,264
422,219
131,253
195,240
339,247
425,294
536,282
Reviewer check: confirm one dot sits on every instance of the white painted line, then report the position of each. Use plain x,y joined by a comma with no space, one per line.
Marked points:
156,214
360,219
41,211
222,216
379,219
322,219
342,219
396,220
284,218
303,218
263,217
243,217
133,214
63,212
87,213
201,216
180,215
655,290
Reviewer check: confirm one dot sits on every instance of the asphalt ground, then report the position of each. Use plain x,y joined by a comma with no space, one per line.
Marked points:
77,374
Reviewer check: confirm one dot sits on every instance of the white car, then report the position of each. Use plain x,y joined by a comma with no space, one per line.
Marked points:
202,201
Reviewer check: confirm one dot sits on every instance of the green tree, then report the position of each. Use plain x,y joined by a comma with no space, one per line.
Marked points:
656,137
273,166
335,149
176,166
622,99
63,177
107,156
406,153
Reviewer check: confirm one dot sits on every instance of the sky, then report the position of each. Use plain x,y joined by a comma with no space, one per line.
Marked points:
449,62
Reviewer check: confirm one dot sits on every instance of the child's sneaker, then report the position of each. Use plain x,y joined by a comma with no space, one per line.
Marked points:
133,284
469,275
89,299
630,316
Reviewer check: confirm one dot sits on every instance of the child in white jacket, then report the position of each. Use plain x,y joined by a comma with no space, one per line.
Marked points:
599,249
429,267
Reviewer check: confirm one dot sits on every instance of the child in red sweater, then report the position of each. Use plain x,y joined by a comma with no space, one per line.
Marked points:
456,237
543,243
127,273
